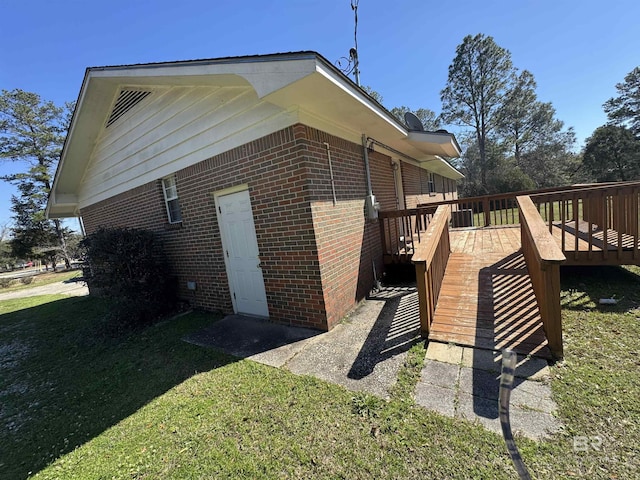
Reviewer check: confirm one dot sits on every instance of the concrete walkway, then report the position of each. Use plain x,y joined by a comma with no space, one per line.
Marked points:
363,353
366,351
464,382
68,287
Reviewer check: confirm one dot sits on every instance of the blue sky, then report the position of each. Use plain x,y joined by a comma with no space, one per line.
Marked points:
577,50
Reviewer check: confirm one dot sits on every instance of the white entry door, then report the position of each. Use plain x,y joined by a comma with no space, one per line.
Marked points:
240,250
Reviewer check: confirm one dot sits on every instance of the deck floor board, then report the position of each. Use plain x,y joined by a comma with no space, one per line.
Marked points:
486,299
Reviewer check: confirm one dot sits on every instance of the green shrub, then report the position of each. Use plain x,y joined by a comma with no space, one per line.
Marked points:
5,282
129,266
26,280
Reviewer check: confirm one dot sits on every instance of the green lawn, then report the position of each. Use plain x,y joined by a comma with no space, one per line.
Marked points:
77,404
511,216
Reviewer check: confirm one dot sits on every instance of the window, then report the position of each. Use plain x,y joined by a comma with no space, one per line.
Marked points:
171,199
432,183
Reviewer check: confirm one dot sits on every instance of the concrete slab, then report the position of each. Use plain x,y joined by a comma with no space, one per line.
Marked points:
532,368
444,352
532,395
440,374
253,338
534,425
479,383
365,352
528,423
531,405
438,399
483,359
479,410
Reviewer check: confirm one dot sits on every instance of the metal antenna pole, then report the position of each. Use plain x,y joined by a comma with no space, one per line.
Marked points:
354,54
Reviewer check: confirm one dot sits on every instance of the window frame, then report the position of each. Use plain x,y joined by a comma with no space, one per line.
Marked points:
170,183
431,183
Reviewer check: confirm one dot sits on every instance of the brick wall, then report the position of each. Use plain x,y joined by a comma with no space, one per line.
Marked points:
278,189
317,257
348,243
415,182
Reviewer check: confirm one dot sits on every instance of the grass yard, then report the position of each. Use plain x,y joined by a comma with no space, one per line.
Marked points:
41,279
511,216
77,404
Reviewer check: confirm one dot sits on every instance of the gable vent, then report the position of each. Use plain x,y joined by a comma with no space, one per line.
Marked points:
126,101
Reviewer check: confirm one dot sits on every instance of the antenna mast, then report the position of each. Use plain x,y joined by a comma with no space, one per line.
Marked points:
351,64
353,53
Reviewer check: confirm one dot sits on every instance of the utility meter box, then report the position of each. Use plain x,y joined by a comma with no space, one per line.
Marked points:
372,207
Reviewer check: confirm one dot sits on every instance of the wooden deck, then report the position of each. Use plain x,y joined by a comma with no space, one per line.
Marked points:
590,245
487,299
499,286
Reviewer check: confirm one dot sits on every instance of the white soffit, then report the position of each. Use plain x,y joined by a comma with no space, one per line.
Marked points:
434,143
440,166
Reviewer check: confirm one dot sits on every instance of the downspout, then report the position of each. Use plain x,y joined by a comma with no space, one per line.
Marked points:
333,183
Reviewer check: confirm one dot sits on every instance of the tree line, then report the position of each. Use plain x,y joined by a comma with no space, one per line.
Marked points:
514,141
511,141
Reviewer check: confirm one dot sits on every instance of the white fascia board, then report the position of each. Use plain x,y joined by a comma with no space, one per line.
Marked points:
360,97
62,206
264,76
51,202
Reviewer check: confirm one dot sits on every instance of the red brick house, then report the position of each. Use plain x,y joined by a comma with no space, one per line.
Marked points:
261,173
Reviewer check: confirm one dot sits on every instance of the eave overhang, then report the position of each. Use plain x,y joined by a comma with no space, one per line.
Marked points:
434,143
303,83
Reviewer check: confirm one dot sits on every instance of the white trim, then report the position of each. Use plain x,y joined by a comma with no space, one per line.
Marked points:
431,183
167,198
228,191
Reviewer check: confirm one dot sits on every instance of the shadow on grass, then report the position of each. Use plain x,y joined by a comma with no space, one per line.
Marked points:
583,287
62,383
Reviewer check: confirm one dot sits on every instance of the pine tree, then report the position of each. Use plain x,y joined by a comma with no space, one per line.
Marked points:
32,132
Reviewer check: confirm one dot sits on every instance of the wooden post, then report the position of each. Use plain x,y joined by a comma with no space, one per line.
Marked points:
486,208
550,310
423,300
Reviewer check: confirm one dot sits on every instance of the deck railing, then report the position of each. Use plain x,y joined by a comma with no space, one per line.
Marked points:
430,260
543,258
499,209
595,224
401,230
